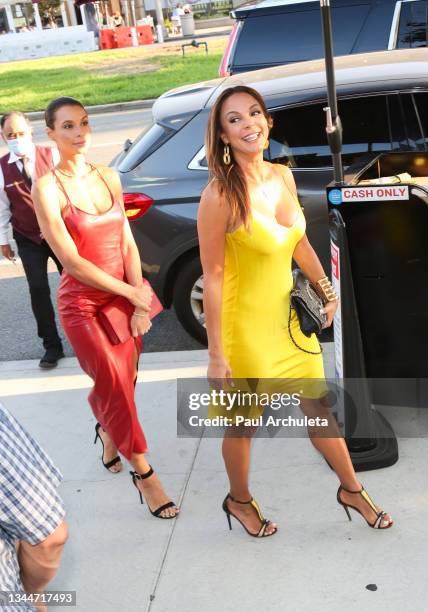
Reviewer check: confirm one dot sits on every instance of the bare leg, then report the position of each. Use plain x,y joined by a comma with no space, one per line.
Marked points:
236,454
110,451
330,443
150,487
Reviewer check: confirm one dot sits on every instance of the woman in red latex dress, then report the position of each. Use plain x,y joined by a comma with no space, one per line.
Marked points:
81,215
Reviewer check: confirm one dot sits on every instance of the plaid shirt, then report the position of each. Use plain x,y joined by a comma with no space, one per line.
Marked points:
30,507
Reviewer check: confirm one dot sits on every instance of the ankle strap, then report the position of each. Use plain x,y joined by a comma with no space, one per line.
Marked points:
348,491
240,502
256,507
142,476
366,497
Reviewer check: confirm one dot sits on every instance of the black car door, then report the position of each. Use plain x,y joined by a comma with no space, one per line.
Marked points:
371,124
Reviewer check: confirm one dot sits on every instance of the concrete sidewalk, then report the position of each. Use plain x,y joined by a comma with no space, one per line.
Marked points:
120,558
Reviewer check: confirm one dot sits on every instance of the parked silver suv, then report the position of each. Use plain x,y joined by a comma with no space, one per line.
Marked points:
383,104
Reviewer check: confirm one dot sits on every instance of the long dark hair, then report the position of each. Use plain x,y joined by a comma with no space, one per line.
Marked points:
231,180
55,105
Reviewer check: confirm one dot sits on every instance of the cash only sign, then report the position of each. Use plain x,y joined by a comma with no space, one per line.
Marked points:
367,193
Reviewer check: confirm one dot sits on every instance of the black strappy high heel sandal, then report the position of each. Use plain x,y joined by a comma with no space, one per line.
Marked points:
264,522
115,460
380,514
136,476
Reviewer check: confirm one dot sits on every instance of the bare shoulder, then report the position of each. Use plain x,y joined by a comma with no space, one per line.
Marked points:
287,175
286,170
282,169
111,177
45,195
211,189
46,179
212,196
44,183
108,173
213,212
106,170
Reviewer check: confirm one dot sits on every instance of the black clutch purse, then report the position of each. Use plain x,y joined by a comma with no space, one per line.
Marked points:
307,304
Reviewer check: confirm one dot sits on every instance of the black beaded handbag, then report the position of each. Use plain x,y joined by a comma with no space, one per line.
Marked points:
307,305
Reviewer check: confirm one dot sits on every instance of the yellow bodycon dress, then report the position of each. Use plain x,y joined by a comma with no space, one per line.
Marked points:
255,309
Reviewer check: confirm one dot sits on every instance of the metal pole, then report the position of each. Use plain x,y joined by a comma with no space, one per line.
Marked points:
159,17
83,14
334,125
9,17
37,17
64,14
134,19
125,9
71,12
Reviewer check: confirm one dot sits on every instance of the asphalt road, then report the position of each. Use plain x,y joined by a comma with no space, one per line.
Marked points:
109,132
18,333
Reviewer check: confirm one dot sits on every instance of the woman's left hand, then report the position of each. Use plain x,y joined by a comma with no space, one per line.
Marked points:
140,324
330,310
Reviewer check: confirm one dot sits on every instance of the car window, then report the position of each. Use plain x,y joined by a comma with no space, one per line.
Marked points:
376,30
145,144
412,30
406,126
371,124
296,36
421,100
298,137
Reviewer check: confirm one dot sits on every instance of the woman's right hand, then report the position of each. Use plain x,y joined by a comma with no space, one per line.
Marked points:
141,297
218,371
140,324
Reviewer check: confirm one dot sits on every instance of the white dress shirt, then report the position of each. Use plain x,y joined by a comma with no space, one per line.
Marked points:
4,200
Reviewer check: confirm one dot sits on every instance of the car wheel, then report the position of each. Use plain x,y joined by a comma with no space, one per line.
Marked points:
187,299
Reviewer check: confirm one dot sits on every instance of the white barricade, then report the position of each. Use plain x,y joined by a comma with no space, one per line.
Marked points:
46,43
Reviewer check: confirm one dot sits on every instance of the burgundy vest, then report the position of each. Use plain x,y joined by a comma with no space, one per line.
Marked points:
18,190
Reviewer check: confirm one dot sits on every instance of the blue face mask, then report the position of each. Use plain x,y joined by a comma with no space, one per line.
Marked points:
21,146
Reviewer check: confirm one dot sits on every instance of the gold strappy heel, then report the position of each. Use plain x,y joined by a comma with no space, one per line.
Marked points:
379,513
264,522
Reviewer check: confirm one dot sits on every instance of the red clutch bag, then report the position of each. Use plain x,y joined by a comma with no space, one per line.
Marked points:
115,317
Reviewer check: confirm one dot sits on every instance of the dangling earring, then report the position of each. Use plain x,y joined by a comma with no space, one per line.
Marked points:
266,145
226,155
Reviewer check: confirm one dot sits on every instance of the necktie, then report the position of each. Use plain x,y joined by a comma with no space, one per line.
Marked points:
26,170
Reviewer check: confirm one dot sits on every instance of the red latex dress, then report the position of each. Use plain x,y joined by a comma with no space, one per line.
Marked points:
98,238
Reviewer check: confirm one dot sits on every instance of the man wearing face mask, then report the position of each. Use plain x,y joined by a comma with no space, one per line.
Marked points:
24,163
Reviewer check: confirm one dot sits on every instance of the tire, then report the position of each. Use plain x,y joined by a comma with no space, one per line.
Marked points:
187,299
189,310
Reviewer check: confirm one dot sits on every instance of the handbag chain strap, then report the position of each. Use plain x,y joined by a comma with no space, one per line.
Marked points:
295,343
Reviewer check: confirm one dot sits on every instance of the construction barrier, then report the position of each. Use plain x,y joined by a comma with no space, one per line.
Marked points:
118,38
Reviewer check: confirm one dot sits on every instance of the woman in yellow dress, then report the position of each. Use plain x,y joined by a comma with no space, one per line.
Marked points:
250,227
